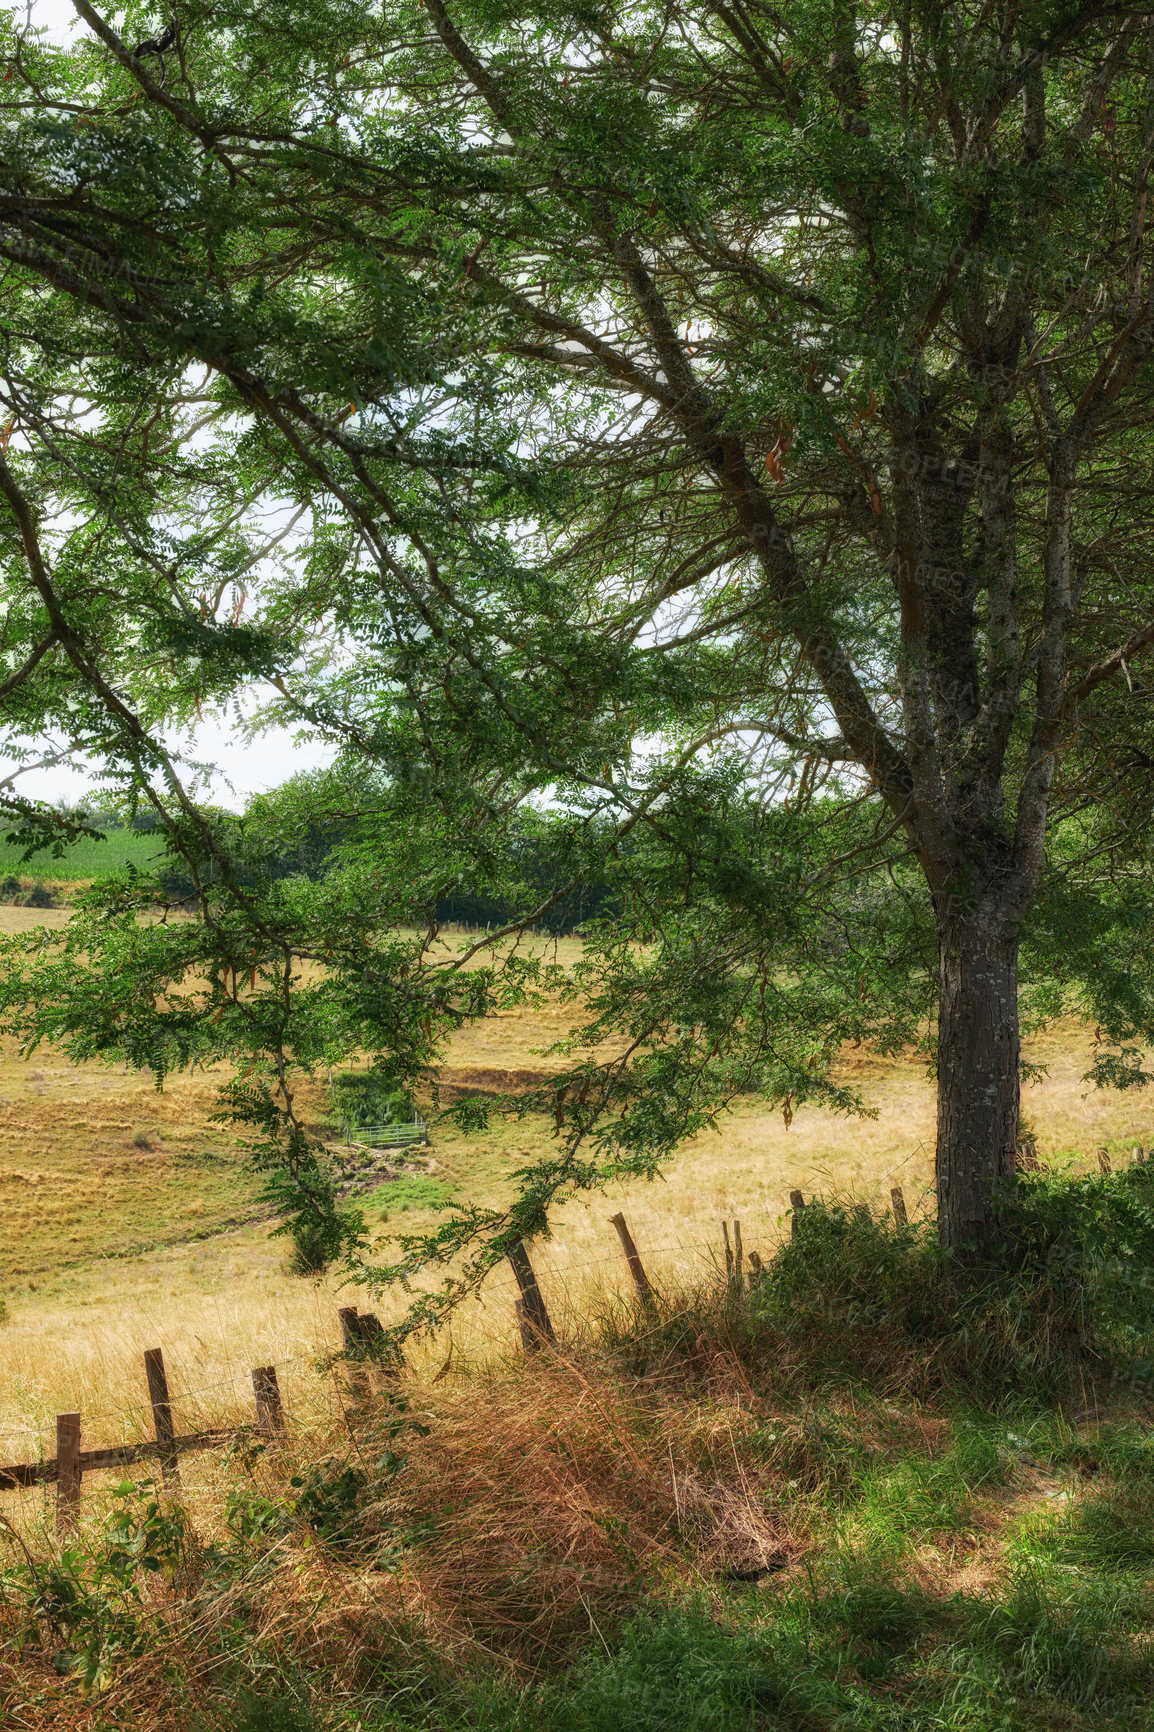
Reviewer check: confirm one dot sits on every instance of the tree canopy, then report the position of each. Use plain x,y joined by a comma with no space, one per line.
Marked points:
699,450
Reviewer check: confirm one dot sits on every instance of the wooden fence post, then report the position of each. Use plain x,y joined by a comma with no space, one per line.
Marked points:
353,1345
372,1339
1028,1155
161,1414
362,1335
370,1332
728,1251
738,1269
899,1207
636,1267
530,1340
533,1317
67,1470
266,1389
797,1204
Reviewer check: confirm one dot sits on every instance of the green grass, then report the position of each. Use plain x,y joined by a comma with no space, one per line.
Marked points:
90,857
398,1196
866,1654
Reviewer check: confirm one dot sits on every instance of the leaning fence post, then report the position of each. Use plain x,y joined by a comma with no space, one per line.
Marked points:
350,1334
899,1207
161,1414
636,1267
371,1336
266,1389
352,1344
533,1317
369,1330
797,1204
67,1469
530,1340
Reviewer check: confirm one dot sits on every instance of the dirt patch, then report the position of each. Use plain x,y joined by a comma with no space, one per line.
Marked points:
462,1082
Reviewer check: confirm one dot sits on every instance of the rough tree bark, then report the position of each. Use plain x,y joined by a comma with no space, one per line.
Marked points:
978,1052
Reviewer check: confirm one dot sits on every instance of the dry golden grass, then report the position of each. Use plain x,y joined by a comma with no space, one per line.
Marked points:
81,1197
576,1490
583,1495
95,1164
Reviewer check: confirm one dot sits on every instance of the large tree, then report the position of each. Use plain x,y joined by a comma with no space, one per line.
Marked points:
701,448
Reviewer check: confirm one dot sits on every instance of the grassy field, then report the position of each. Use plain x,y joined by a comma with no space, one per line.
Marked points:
590,1513
130,1220
88,858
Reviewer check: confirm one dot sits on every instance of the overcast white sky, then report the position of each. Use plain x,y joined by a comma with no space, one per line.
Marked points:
249,767
244,767
57,16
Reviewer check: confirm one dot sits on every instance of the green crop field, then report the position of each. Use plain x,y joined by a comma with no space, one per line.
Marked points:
91,857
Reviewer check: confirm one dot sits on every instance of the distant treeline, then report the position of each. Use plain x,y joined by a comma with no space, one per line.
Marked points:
310,852
567,913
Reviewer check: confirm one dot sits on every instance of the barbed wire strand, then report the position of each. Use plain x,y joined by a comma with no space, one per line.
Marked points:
504,1285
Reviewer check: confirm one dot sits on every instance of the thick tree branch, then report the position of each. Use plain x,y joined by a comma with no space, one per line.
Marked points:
1107,669
29,666
479,77
208,136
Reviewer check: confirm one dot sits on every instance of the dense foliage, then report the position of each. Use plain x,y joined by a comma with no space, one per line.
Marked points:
700,453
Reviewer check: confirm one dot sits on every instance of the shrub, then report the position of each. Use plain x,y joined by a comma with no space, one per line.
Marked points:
1066,1289
86,1604
1066,1295
368,1098
316,1243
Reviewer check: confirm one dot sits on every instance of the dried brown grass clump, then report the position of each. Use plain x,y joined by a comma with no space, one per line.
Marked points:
570,1498
547,1501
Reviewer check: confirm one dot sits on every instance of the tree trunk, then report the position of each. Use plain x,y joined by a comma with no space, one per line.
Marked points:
978,1051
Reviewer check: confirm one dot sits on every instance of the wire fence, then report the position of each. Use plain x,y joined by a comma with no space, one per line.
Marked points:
364,1352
